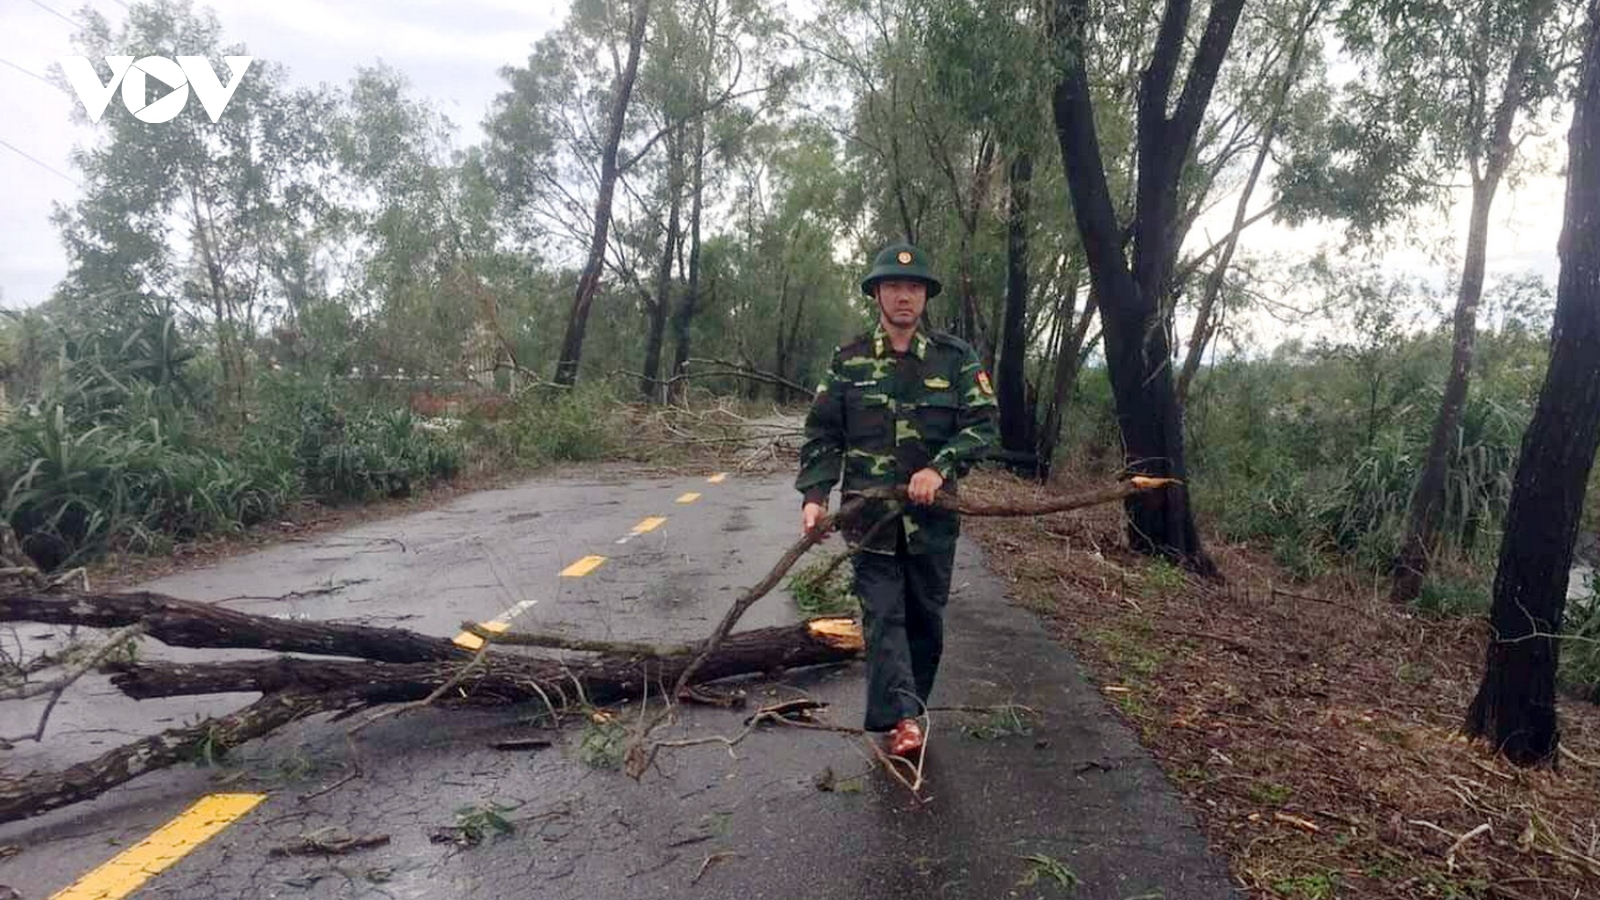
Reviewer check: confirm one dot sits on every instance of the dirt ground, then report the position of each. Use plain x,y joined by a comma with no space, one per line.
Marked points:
1313,728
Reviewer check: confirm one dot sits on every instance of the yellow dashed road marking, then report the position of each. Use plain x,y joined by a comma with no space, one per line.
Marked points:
582,567
471,641
650,524
718,478
125,872
498,625
689,497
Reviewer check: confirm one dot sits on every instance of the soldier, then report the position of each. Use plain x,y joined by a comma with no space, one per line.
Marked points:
900,405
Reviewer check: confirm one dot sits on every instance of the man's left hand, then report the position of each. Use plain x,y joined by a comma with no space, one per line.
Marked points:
924,484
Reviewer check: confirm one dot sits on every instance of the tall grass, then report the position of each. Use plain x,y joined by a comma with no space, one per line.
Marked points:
1318,462
116,450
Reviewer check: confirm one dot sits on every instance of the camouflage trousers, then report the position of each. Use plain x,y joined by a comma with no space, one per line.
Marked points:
903,598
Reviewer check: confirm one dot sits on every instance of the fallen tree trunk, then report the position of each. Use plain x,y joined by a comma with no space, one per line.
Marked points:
500,677
40,792
185,623
296,687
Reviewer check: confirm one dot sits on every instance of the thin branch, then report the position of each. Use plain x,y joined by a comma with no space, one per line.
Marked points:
36,689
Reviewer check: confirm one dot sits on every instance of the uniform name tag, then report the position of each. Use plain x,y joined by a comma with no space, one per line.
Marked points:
937,383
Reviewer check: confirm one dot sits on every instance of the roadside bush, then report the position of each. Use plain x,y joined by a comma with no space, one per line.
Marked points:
538,427
1299,460
85,488
101,461
1450,596
342,448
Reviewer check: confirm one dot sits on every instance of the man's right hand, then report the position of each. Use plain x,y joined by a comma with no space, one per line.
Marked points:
810,515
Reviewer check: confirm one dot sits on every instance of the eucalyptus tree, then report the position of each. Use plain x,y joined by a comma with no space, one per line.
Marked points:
240,189
1515,706
419,218
1131,287
555,146
1441,91
569,132
1284,56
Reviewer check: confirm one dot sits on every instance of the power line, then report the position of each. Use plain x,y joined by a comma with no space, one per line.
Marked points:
30,73
41,164
54,13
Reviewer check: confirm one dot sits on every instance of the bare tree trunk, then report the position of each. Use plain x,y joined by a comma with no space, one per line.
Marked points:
1067,365
650,384
1206,319
1427,501
1017,422
972,328
682,322
1138,355
785,393
781,349
589,281
1515,707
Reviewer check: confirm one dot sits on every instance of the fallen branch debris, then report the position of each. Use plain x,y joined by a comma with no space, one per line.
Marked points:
380,666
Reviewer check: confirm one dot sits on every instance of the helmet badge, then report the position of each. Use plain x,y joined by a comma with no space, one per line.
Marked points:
904,258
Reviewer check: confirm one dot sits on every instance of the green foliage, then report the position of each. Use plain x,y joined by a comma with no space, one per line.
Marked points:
815,596
1422,106
477,821
1270,794
603,742
1001,722
1314,453
1129,649
342,447
116,454
540,427
207,752
110,452
1453,596
1161,579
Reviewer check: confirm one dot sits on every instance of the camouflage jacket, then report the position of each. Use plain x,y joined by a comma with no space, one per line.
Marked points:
878,417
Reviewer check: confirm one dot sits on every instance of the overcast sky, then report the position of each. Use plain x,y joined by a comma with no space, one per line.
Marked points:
450,50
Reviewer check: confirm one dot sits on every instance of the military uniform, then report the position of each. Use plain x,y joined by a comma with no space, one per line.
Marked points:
878,418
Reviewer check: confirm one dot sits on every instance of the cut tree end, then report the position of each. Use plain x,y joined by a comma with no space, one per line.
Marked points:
1146,483
843,633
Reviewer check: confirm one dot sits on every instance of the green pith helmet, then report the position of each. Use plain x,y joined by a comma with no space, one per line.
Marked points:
901,261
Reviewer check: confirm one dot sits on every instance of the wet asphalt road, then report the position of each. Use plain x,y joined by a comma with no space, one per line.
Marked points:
750,823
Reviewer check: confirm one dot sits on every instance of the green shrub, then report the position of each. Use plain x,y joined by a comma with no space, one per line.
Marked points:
539,427
815,596
135,485
342,447
1453,596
